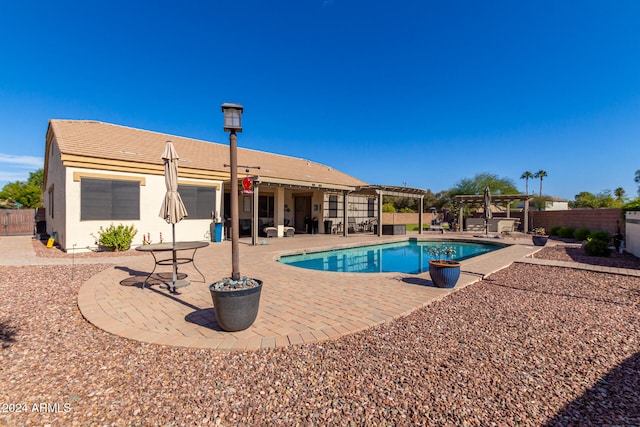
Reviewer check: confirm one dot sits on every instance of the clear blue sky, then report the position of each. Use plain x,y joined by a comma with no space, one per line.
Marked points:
420,93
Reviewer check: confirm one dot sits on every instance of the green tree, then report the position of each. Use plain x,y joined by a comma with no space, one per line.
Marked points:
620,194
401,204
637,180
526,175
439,201
540,174
477,184
24,194
36,178
633,205
604,199
584,199
20,194
388,207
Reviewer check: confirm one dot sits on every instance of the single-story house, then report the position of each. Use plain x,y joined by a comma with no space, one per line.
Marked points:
555,204
97,174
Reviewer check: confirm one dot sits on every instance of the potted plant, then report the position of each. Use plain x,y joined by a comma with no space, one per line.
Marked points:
236,302
444,271
540,236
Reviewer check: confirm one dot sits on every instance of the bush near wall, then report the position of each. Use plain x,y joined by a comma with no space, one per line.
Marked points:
582,233
566,232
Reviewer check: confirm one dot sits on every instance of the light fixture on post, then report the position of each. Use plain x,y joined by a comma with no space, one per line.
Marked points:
235,299
233,124
232,117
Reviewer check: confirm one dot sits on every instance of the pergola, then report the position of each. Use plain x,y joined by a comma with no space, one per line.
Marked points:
388,190
506,199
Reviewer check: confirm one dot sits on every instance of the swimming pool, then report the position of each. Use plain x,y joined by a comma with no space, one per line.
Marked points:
409,257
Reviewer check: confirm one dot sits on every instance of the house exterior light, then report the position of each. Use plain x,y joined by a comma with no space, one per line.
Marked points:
232,117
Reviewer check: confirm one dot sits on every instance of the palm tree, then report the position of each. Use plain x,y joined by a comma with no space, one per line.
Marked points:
637,180
526,175
540,174
619,193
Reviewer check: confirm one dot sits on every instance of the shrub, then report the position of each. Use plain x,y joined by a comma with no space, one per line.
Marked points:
441,252
582,233
116,238
597,247
554,230
600,235
566,232
633,205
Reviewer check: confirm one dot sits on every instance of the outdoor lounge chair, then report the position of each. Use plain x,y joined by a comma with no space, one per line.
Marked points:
289,231
271,231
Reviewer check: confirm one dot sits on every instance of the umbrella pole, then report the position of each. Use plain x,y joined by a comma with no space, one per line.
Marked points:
175,262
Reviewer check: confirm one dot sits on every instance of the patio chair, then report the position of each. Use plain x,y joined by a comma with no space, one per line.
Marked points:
289,231
271,231
353,226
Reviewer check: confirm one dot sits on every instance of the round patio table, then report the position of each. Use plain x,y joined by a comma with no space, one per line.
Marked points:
156,249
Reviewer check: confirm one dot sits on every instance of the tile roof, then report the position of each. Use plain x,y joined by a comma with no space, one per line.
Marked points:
107,141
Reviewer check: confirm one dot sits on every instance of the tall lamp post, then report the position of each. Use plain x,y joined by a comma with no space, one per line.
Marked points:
233,124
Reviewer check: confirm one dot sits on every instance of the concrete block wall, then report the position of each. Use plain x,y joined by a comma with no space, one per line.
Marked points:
406,218
609,219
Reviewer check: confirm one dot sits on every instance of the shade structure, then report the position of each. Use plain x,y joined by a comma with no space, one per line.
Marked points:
487,209
487,204
172,210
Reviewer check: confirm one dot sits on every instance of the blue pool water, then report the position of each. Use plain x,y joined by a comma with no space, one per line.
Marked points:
409,257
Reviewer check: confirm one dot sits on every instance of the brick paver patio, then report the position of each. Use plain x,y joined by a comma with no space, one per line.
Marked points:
297,305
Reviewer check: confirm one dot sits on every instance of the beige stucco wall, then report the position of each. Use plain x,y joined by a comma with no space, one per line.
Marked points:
77,235
632,238
55,194
556,206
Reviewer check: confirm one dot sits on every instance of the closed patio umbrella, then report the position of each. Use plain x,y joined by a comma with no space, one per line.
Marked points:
172,210
487,209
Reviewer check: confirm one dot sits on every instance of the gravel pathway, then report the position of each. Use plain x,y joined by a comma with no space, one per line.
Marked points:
529,345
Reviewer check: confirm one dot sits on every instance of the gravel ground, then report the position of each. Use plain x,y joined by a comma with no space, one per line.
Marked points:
529,345
41,250
575,253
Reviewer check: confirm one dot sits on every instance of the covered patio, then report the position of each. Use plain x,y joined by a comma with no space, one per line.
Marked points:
314,208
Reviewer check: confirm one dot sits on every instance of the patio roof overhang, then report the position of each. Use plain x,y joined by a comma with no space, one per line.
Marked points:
390,190
296,184
293,184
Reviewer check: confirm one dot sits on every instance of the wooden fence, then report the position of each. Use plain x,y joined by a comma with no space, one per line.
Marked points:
17,222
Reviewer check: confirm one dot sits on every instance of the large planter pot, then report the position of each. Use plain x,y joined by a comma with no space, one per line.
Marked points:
444,274
236,309
540,240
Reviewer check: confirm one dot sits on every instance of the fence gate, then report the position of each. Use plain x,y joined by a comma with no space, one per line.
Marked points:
17,222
